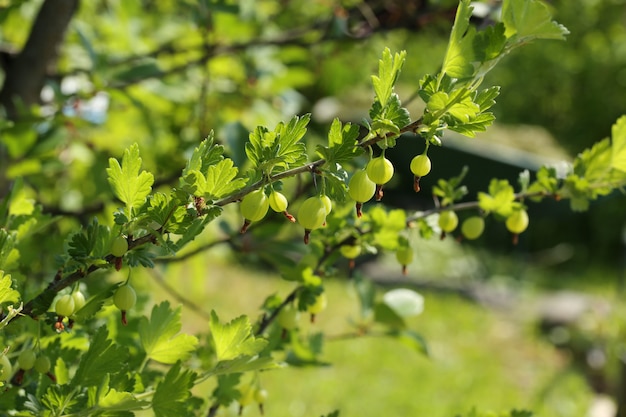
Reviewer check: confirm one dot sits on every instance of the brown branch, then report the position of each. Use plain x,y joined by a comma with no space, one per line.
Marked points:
26,72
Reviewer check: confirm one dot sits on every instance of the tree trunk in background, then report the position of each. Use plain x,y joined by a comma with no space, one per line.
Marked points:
26,71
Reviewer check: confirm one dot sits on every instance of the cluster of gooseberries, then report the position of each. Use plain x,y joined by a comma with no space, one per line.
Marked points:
311,214
252,394
473,226
26,361
66,306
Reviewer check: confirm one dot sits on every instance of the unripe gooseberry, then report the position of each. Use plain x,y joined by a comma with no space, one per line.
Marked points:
448,221
26,359
404,256
318,306
328,204
380,170
279,203
517,223
119,246
65,306
79,300
420,167
473,227
125,298
361,189
288,317
42,364
6,369
260,395
254,207
312,215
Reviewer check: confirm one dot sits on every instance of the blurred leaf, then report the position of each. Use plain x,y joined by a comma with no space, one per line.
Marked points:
226,390
500,198
7,294
618,148
139,72
386,315
412,339
528,20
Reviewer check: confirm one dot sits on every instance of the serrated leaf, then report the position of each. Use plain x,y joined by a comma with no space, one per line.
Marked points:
276,151
159,336
245,363
115,400
530,19
220,180
342,140
499,199
129,185
205,155
618,144
7,294
226,391
389,67
103,357
172,393
234,338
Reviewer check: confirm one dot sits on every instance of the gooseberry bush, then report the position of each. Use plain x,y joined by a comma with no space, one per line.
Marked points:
157,366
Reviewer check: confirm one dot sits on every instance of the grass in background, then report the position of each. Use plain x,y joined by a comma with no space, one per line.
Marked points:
478,357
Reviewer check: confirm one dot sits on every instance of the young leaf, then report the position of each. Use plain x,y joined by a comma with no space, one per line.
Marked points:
341,143
171,395
128,184
388,69
500,198
528,20
205,155
220,180
103,357
7,294
278,149
159,335
618,148
235,338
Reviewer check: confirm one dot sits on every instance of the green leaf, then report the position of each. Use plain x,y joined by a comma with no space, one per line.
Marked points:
500,198
245,363
220,180
530,19
205,155
7,294
130,186
459,56
388,69
226,391
276,151
172,393
114,400
103,357
94,304
234,338
342,141
618,148
159,335
412,339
